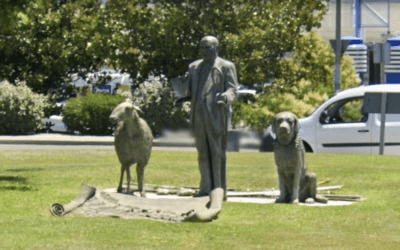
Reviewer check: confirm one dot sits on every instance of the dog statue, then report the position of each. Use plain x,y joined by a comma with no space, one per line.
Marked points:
296,184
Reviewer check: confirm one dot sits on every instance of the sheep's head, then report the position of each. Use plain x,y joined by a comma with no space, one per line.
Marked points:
124,111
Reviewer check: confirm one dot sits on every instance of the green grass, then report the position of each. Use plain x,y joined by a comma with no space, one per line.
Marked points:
30,181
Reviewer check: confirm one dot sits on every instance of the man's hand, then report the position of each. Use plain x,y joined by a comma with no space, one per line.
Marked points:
221,98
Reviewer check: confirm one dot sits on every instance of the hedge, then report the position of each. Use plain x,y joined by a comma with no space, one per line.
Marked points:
89,115
21,110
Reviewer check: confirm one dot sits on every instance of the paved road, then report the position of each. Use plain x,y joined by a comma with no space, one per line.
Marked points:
5,147
49,147
77,147
175,141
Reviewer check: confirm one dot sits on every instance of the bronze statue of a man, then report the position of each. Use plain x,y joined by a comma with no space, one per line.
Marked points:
212,87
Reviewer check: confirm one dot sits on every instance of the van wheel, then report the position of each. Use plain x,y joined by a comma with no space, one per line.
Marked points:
307,147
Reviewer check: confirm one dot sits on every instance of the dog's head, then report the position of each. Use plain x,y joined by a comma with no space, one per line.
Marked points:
286,127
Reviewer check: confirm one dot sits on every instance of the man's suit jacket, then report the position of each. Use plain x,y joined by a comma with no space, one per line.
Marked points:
223,80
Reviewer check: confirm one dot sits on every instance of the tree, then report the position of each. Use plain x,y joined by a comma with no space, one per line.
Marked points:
54,41
164,36
64,36
10,12
303,81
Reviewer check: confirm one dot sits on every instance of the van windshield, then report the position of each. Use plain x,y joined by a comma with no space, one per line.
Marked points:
354,97
321,104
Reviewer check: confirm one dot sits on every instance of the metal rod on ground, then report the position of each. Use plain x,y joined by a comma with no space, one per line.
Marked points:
273,193
344,197
323,182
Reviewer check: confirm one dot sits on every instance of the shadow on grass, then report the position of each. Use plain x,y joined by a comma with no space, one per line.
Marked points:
15,188
13,179
17,183
18,170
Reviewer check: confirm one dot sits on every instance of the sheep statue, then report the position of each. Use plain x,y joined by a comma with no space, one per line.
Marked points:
133,141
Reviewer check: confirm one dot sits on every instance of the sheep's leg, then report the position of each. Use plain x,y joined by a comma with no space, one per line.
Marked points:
119,189
128,178
140,178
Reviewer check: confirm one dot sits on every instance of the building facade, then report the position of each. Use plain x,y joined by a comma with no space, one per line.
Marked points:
371,20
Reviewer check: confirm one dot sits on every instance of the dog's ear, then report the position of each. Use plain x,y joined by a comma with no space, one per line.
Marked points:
132,111
137,108
273,125
296,125
128,110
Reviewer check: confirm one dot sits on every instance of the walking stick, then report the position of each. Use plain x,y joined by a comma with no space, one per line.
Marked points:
216,76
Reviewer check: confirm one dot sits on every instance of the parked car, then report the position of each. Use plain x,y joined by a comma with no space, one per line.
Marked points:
341,126
54,123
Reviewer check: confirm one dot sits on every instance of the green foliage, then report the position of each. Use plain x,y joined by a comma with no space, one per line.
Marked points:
303,81
90,114
165,36
159,106
60,95
60,37
351,111
9,13
54,41
21,110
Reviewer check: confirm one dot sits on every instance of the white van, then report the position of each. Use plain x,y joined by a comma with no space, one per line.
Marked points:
341,126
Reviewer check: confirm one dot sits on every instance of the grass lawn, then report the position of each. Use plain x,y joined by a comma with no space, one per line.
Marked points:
30,181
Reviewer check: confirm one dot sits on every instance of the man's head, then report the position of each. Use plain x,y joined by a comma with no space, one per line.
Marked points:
209,48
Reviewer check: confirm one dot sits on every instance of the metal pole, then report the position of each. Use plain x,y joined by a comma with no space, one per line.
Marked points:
338,46
357,15
383,75
383,123
384,80
388,15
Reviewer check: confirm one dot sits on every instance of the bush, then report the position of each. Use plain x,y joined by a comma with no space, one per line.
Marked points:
90,114
159,105
21,110
302,82
59,95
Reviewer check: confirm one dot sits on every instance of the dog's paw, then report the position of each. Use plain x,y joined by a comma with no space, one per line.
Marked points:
310,201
